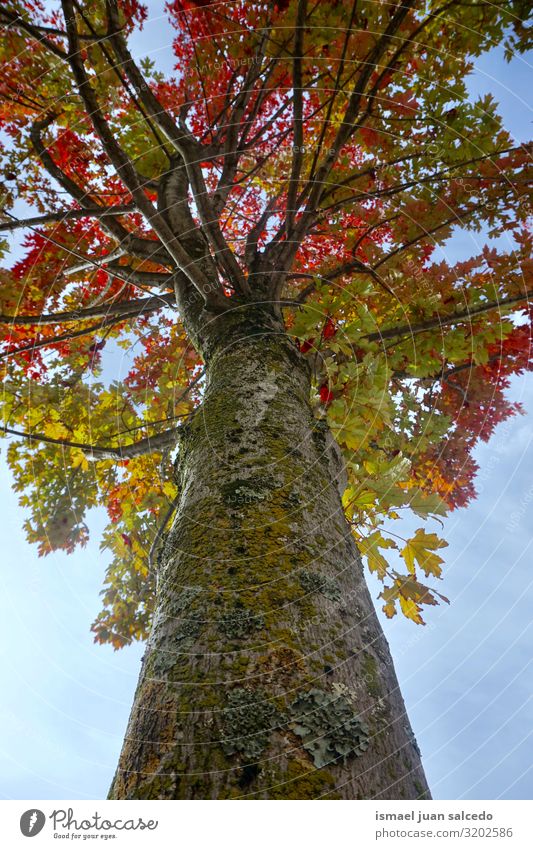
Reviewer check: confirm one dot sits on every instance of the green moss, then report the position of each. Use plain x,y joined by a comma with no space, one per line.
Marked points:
422,793
370,671
319,434
239,667
302,782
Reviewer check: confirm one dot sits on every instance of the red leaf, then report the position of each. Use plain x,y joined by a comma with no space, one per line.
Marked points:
326,396
329,329
307,345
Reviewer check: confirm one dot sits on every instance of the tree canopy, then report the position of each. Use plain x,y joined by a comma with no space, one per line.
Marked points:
310,155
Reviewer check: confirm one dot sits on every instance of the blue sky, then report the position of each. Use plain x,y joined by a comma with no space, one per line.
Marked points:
464,676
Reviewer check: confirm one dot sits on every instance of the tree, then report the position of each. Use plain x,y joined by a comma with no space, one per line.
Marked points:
257,233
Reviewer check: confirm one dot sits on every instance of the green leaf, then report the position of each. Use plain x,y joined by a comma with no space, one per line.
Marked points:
369,547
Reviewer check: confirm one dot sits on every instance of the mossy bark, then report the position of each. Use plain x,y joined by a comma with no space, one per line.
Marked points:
266,674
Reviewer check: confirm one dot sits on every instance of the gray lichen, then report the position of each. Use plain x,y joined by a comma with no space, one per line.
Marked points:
166,655
328,726
189,620
412,739
330,454
173,627
183,600
248,720
312,582
189,627
250,490
239,623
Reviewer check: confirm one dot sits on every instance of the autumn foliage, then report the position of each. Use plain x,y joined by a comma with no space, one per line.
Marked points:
335,141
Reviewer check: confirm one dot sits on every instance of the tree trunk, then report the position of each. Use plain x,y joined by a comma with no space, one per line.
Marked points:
266,674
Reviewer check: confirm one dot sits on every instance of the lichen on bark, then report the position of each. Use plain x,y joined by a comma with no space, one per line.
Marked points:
261,603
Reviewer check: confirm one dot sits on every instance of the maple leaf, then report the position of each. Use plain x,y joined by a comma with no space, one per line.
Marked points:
411,610
369,547
326,395
421,548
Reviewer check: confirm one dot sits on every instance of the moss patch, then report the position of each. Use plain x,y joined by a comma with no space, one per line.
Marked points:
370,670
301,782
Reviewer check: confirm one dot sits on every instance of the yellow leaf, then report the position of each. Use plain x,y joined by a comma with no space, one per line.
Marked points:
420,548
389,609
55,430
389,596
79,459
363,498
410,609
169,489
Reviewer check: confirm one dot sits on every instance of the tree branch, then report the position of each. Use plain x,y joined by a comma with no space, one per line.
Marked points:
63,337
159,442
113,66
284,252
348,125
123,165
193,153
459,217
123,309
355,265
337,88
298,132
115,230
142,248
36,32
148,445
444,321
98,212
443,174
232,150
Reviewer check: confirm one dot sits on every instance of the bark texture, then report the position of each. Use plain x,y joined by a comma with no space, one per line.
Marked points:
266,674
